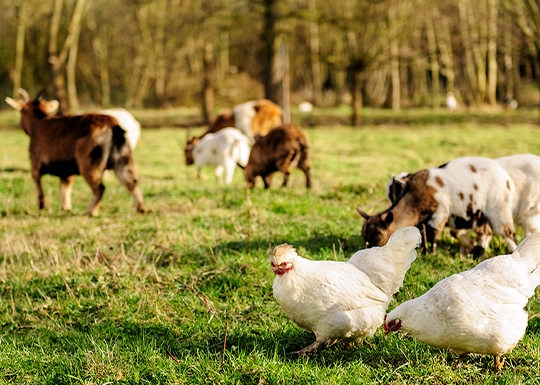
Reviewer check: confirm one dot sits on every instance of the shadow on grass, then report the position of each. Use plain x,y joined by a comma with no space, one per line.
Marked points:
349,244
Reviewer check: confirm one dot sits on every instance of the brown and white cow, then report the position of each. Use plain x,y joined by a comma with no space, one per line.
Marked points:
464,193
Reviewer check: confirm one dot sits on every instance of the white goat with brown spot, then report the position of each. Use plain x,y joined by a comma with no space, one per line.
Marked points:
465,193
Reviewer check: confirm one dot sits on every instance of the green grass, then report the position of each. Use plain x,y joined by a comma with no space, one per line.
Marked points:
106,299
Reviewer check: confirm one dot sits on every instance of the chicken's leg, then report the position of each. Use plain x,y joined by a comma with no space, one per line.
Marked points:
498,363
311,348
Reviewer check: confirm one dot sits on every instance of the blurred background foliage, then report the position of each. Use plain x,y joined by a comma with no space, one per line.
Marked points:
365,53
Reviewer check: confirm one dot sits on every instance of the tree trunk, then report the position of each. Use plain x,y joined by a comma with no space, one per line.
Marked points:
508,62
19,53
159,46
208,83
446,50
224,54
269,37
492,51
72,61
432,47
58,61
314,47
286,86
419,81
356,99
104,67
478,29
467,44
57,73
394,61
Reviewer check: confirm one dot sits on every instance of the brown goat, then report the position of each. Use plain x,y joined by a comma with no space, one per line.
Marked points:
69,145
282,149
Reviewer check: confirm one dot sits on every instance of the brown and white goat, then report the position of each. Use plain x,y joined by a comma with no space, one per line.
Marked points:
465,193
283,149
70,145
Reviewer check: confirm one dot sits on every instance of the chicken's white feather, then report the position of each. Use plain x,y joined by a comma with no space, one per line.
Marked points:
480,310
342,300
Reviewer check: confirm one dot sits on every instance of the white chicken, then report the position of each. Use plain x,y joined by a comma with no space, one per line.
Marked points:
479,310
342,300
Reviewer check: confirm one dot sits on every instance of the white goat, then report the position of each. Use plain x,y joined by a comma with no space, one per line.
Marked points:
224,149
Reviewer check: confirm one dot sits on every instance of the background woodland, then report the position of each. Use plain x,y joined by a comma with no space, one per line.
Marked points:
373,53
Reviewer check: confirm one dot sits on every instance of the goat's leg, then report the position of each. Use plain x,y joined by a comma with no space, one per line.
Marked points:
66,185
230,166
127,174
267,179
465,243
39,190
218,171
95,201
285,178
308,177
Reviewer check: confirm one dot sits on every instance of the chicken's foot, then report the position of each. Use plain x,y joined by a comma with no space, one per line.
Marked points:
311,348
498,363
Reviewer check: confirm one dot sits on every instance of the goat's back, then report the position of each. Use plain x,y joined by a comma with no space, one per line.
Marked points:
63,135
280,142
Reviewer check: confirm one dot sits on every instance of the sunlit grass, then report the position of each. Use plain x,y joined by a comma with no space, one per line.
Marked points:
113,299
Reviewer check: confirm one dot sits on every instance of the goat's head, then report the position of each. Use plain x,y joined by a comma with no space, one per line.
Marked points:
377,229
38,107
188,150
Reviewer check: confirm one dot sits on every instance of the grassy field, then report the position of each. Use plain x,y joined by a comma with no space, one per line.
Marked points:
184,295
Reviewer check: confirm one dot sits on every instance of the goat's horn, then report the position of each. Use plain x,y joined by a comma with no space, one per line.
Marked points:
24,94
40,94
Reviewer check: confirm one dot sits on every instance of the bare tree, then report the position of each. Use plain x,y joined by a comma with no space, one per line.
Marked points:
19,55
58,61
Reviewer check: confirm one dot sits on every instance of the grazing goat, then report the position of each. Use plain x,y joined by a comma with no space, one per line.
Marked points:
224,149
466,193
282,149
254,118
70,145
524,169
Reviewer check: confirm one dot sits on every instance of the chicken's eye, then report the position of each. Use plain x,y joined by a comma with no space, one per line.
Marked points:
283,263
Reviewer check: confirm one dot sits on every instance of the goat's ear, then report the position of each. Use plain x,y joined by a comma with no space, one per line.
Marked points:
388,218
14,103
50,107
400,181
363,213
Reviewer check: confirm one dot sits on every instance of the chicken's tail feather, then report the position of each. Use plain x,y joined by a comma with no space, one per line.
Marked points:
408,238
529,251
386,266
